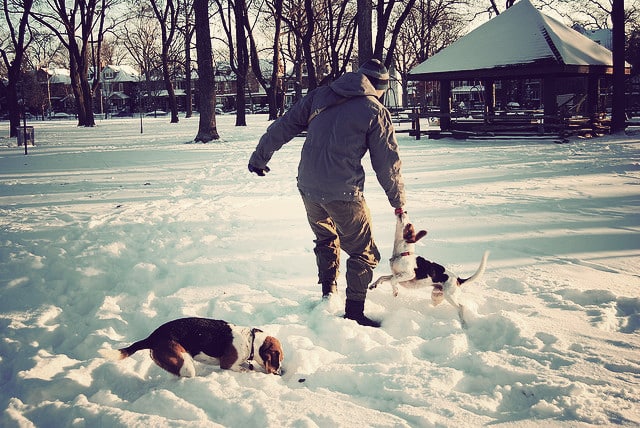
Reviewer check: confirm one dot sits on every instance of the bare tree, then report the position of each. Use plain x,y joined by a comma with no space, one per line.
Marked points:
16,14
385,13
326,35
75,26
45,50
593,14
618,107
187,30
300,18
292,52
507,5
207,127
632,49
390,16
430,26
140,35
101,50
233,18
272,84
167,15
336,38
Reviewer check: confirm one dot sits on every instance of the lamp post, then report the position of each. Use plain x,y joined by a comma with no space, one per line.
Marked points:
49,76
140,108
21,103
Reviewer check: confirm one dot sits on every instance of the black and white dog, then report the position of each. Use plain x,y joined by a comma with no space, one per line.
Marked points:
175,344
411,271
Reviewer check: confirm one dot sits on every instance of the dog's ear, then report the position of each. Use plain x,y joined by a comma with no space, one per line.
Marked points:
409,233
272,355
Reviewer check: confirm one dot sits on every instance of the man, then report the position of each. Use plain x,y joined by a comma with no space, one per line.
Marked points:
343,121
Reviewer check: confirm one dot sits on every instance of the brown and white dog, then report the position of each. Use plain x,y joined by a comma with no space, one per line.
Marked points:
177,343
411,271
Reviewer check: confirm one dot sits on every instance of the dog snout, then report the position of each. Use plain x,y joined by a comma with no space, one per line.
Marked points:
272,365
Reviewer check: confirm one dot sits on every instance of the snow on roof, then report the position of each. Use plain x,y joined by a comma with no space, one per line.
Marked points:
59,75
123,73
520,35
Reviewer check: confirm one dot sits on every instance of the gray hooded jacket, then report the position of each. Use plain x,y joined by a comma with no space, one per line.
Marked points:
350,122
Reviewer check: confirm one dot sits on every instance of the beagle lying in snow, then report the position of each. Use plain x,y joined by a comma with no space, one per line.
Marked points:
413,271
176,344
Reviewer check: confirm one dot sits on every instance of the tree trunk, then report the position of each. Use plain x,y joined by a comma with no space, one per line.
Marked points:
365,36
188,34
618,118
275,87
13,68
307,39
78,96
207,128
243,62
14,108
173,105
168,24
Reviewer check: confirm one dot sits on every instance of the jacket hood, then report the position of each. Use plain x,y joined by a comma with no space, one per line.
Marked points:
353,85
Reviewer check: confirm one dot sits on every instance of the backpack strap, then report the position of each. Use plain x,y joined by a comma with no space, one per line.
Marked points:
321,109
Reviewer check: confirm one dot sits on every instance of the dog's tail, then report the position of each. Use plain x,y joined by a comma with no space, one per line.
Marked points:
121,354
479,272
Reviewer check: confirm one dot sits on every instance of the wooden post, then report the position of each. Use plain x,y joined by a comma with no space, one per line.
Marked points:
489,99
445,105
416,123
549,98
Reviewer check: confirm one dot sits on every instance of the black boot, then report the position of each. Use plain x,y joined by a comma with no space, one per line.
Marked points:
329,288
354,310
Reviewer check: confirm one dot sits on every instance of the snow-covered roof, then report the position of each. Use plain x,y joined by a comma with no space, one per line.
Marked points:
522,40
119,95
58,75
122,73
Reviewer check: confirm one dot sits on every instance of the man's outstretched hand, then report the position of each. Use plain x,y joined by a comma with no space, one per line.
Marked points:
259,171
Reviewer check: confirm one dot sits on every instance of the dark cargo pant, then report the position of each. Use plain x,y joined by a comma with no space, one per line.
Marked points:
343,225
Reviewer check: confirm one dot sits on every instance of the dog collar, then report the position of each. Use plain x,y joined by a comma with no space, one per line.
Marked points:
404,254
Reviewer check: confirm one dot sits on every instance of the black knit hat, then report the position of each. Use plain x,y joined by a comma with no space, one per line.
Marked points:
376,72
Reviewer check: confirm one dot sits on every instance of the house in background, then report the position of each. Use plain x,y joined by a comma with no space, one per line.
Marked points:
117,91
56,84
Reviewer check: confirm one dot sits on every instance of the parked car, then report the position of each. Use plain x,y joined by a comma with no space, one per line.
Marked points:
61,115
156,113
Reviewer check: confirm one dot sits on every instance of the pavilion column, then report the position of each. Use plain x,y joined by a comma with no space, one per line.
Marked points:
445,105
489,99
593,89
549,98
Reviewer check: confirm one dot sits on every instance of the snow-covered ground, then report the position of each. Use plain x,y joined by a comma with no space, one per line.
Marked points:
107,233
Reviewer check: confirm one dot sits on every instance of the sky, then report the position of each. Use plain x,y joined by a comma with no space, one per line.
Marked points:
107,233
